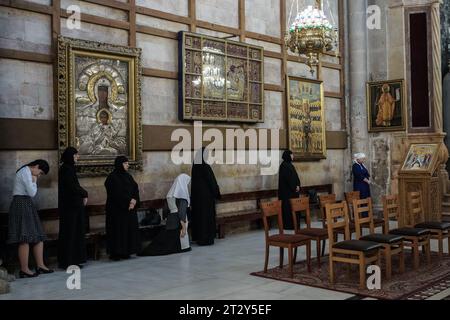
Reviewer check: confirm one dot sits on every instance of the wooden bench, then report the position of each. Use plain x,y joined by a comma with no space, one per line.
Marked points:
244,215
255,215
94,235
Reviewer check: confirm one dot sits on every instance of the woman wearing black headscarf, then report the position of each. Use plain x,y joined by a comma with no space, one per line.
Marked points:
72,199
122,230
204,192
288,187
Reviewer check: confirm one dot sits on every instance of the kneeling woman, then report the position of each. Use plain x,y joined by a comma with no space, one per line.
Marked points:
175,238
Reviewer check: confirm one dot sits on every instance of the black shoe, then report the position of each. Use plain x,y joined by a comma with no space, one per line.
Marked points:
43,271
114,258
27,275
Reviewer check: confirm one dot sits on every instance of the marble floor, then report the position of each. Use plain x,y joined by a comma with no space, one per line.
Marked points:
219,272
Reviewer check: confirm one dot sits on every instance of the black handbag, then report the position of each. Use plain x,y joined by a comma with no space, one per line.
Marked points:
152,218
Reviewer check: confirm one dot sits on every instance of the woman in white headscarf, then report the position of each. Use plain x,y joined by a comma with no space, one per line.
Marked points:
174,238
361,176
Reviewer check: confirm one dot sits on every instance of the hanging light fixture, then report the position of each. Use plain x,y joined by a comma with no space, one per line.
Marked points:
311,34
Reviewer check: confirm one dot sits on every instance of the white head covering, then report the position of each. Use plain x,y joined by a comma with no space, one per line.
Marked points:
180,188
359,156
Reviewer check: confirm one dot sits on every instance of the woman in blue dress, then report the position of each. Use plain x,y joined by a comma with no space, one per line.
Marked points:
361,176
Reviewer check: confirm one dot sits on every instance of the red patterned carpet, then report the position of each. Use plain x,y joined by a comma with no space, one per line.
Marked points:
429,280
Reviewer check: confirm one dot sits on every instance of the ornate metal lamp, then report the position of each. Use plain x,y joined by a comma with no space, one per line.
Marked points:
311,34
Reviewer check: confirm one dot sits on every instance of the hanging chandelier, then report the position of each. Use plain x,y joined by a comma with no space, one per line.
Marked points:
311,34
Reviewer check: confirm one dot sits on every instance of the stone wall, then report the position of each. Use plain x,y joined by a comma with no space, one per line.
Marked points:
383,52
385,62
27,92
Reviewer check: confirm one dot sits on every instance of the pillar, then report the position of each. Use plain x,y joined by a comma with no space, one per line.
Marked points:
357,40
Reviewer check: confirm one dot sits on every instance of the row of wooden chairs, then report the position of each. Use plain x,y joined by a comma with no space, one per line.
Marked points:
359,252
337,220
349,198
439,230
391,244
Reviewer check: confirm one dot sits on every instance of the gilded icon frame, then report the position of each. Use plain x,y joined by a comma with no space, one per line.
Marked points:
372,91
425,155
302,155
68,84
194,105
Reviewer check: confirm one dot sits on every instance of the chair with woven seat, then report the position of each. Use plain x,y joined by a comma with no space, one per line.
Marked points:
356,195
439,230
282,240
357,252
316,234
414,238
391,244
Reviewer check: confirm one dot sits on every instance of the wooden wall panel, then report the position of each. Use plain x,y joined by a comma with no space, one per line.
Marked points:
42,135
26,56
28,134
335,140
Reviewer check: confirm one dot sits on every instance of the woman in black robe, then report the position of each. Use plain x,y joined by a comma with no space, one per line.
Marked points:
72,199
204,192
288,188
122,230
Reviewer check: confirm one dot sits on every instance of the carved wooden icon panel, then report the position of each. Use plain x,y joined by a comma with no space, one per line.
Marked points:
220,80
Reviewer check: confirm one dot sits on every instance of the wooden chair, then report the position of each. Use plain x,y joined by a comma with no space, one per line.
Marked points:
316,234
391,244
323,201
331,199
349,198
356,195
439,230
282,240
414,238
348,251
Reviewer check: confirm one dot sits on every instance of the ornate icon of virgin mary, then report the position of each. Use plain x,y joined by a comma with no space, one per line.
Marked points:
99,103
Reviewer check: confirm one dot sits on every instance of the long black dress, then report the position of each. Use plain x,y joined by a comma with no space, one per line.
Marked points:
168,240
204,192
72,223
122,230
288,181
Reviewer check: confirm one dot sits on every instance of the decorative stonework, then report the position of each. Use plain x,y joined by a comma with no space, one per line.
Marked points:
437,73
445,35
220,80
432,186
